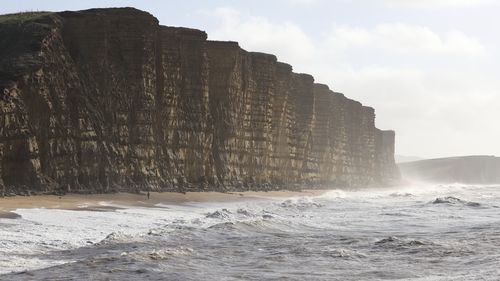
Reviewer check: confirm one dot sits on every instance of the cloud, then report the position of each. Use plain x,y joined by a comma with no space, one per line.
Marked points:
259,34
405,39
433,4
301,2
433,113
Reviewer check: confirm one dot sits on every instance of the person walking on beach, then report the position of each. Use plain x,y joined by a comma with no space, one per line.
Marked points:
148,195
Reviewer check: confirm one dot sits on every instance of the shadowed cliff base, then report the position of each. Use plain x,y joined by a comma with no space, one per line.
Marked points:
106,100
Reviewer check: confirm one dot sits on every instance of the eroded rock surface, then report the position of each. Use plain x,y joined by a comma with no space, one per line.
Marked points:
108,100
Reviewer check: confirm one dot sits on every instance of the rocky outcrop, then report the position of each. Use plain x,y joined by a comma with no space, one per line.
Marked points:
107,99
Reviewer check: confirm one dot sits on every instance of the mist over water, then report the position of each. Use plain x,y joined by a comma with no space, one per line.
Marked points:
420,232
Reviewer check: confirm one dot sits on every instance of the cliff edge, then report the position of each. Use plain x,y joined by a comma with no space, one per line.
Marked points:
107,100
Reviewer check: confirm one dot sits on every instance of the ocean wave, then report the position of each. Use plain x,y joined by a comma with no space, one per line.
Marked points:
266,239
300,203
334,194
223,226
450,200
254,225
114,237
225,214
163,254
342,253
219,214
267,216
401,194
244,212
397,214
423,248
393,240
305,252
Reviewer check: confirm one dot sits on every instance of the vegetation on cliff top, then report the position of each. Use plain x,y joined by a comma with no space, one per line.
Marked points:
22,16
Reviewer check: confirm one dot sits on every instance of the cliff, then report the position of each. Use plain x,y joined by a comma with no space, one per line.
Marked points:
465,169
107,99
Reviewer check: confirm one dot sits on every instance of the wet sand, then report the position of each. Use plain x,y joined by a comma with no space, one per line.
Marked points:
9,215
114,201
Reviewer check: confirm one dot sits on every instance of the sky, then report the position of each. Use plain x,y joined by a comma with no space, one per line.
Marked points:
430,68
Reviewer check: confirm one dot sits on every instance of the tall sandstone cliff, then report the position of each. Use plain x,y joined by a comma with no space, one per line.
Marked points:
107,99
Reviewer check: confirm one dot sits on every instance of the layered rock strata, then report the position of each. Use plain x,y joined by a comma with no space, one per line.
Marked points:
107,99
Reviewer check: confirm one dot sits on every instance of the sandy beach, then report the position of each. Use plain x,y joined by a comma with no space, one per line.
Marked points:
111,202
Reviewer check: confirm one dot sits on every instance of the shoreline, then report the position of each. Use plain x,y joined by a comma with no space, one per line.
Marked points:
113,201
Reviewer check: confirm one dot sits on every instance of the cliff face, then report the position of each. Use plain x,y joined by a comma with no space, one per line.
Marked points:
106,99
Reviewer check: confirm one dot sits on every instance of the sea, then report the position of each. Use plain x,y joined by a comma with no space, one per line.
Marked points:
416,232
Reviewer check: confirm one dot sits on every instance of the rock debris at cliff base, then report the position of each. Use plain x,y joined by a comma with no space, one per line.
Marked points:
107,100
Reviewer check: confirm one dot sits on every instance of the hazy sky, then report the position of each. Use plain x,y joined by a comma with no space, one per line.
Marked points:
429,67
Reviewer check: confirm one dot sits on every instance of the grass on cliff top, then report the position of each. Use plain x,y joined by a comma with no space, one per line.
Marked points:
22,16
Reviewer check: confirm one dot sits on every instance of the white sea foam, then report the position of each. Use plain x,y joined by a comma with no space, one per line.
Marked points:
417,232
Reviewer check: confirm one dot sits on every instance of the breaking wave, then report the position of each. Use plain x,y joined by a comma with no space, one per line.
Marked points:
455,201
428,233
